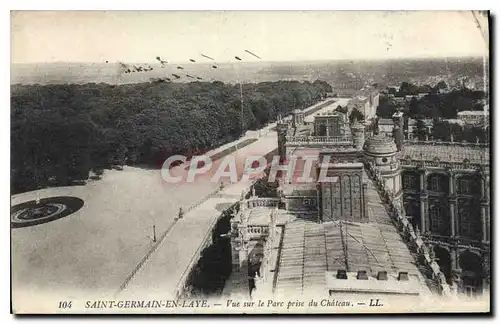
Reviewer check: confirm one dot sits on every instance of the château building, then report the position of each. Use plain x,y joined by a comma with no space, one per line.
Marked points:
382,216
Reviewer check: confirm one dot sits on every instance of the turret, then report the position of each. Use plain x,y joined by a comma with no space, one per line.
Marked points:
358,135
398,132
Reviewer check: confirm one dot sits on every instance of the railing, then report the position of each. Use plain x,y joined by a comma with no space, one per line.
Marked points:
145,258
315,108
312,109
178,291
345,140
263,202
202,200
258,230
155,246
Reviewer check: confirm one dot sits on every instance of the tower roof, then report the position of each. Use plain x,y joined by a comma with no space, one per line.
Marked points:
380,144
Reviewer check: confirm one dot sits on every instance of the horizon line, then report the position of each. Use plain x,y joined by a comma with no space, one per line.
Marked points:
414,58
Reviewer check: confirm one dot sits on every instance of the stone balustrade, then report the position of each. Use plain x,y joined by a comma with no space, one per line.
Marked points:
259,230
304,140
408,232
263,202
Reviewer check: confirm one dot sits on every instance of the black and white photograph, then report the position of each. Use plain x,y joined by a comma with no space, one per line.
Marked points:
250,162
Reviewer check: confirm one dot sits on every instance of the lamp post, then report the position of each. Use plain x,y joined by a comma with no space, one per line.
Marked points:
238,80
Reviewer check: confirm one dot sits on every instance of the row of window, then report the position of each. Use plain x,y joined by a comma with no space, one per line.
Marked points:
439,183
469,221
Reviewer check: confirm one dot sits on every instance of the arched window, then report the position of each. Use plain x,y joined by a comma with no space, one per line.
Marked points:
472,270
443,258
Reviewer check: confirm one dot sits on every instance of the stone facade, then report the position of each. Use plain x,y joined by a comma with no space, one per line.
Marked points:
330,125
451,208
440,193
343,197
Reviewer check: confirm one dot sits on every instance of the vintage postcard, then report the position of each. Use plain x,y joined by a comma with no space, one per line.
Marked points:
250,162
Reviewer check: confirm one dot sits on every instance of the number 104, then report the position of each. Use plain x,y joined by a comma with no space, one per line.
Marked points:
64,304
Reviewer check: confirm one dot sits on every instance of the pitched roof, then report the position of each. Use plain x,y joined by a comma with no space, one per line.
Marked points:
310,251
445,153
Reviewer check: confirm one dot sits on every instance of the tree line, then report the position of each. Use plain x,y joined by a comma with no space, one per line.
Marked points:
439,106
61,132
434,104
446,131
353,116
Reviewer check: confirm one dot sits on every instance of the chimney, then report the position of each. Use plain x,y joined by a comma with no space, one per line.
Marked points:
403,276
382,275
358,135
398,130
362,275
341,274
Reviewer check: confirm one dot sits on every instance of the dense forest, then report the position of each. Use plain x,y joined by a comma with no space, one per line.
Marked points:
61,132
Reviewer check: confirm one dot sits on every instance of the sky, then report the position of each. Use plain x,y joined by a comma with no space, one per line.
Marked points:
177,36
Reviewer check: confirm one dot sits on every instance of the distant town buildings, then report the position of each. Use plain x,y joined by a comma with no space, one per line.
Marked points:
365,101
474,117
412,126
386,127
